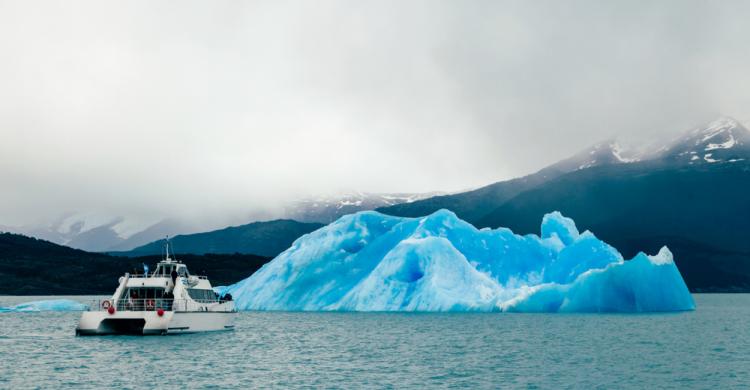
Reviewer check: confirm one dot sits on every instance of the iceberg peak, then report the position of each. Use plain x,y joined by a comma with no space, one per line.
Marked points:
554,224
664,257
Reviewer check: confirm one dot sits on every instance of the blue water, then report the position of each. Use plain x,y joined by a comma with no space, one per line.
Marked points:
708,348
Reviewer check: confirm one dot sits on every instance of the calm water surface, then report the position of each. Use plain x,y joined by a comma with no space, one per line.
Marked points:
708,348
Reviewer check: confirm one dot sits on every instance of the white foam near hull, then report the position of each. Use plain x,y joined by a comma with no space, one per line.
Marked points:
150,323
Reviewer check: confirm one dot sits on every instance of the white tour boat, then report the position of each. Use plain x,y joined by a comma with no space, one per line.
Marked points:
166,301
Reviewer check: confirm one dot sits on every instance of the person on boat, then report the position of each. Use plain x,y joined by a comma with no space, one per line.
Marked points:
136,300
168,300
130,304
174,276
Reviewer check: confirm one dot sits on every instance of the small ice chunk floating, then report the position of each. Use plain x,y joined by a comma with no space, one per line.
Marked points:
373,262
46,305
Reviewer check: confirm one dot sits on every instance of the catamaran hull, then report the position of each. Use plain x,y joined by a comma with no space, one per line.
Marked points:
94,323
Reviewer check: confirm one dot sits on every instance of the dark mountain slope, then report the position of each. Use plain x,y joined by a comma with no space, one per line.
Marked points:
471,206
260,238
29,266
699,211
722,141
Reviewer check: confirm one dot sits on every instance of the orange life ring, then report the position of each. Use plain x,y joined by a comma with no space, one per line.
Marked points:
106,304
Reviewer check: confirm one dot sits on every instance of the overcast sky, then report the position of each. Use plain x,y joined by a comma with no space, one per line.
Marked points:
154,108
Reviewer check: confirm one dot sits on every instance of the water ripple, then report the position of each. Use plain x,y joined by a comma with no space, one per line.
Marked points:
708,348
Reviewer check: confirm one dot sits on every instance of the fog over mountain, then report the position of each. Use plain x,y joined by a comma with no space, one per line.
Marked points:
221,113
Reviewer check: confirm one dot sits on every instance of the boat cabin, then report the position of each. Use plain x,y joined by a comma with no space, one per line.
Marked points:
145,298
164,269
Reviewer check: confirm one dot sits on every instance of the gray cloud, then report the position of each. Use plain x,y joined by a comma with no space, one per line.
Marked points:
150,108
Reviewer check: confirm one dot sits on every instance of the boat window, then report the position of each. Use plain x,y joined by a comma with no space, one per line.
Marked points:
142,298
202,294
182,271
164,270
143,293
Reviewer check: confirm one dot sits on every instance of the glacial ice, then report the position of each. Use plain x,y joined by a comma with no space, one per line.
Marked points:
46,305
373,262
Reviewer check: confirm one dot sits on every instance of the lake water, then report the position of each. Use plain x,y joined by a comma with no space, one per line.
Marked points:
708,348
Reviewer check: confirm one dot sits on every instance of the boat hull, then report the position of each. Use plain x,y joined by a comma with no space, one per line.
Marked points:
95,323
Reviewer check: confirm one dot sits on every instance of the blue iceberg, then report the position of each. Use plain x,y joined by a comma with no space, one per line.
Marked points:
46,305
373,262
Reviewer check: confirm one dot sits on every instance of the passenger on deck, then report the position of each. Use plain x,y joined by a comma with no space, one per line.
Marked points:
168,300
136,305
174,276
130,305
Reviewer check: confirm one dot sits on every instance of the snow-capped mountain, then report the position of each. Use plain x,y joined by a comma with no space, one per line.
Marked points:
326,209
166,227
98,234
80,231
102,234
602,153
724,140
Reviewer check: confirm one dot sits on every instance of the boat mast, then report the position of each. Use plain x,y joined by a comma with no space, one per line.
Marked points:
166,250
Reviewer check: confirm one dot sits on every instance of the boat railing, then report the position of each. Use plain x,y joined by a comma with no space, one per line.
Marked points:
166,304
155,275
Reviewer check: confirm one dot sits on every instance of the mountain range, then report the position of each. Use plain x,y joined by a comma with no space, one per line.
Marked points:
689,193
722,141
259,238
97,234
114,234
326,209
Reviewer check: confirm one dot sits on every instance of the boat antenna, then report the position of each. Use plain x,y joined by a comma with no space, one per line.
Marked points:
166,252
166,249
